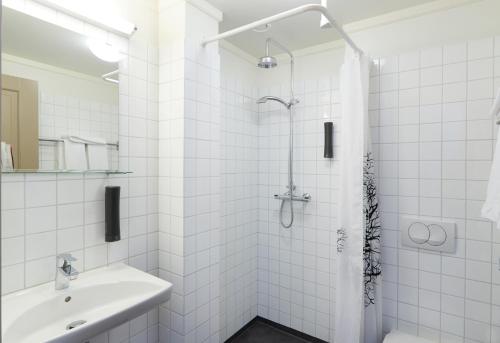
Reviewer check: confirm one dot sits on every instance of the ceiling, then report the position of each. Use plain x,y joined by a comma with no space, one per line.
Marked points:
31,38
301,31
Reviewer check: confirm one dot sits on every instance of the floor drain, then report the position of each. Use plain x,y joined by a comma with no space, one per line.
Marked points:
75,324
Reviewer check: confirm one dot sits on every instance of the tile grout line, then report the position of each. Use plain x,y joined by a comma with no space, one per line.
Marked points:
419,164
441,191
465,178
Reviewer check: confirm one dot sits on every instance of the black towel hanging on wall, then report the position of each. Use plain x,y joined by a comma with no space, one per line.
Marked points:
112,213
328,152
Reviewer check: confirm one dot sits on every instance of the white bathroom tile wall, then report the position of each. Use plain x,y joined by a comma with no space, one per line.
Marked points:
436,164
43,215
189,174
62,116
296,266
239,205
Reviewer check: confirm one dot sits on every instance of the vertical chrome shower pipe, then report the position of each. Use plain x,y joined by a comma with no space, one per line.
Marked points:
290,153
290,139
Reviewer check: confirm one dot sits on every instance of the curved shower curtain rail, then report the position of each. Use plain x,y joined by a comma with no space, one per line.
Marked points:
283,15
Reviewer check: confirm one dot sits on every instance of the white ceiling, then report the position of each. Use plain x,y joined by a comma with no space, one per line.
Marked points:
301,31
31,38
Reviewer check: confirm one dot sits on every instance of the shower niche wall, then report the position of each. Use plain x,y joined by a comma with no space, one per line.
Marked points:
285,275
296,265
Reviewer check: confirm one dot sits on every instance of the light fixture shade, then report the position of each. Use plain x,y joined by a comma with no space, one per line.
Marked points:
105,51
91,11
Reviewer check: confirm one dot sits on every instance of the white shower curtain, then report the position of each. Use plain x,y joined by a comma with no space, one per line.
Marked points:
358,314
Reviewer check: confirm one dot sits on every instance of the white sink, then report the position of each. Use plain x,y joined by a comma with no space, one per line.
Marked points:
103,298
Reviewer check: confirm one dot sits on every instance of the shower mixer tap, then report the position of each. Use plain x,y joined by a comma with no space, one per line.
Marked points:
306,197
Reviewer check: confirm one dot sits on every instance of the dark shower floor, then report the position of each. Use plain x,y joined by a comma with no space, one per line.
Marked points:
258,331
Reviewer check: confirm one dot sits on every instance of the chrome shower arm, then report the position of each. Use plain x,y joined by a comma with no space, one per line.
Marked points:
275,98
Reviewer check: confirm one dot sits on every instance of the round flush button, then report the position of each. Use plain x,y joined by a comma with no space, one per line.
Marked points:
437,235
418,233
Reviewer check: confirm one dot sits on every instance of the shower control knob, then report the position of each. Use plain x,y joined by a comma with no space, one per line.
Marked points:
306,196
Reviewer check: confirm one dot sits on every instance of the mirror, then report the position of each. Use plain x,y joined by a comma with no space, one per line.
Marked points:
59,100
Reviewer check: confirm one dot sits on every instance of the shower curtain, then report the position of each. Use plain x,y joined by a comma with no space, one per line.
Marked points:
358,314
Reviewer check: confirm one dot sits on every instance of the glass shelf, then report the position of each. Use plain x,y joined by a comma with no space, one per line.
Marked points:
62,171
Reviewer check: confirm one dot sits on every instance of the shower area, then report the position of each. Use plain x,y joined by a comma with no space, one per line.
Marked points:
271,267
279,191
290,275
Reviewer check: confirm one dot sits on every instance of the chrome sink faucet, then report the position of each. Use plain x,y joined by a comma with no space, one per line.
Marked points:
65,272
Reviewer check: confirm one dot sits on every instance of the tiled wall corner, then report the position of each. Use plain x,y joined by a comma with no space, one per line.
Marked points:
189,174
239,196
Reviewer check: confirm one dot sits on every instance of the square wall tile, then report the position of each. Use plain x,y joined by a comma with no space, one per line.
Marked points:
12,278
455,53
481,48
40,245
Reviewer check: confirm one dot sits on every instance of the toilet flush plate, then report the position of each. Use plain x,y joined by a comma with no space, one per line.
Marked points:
428,234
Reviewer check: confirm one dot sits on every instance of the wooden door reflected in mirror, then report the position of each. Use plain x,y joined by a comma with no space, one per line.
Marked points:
20,120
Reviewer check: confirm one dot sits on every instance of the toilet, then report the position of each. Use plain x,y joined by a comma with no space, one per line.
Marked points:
400,337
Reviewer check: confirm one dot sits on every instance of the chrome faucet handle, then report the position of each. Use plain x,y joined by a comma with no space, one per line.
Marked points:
65,272
66,267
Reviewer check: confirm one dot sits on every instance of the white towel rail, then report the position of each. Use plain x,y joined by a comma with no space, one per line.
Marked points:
58,140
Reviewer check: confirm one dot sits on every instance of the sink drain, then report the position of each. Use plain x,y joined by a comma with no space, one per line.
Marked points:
75,324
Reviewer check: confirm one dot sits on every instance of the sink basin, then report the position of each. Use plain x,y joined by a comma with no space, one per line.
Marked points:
95,302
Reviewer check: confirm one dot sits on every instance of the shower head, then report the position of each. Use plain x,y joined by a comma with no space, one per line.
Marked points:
267,62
